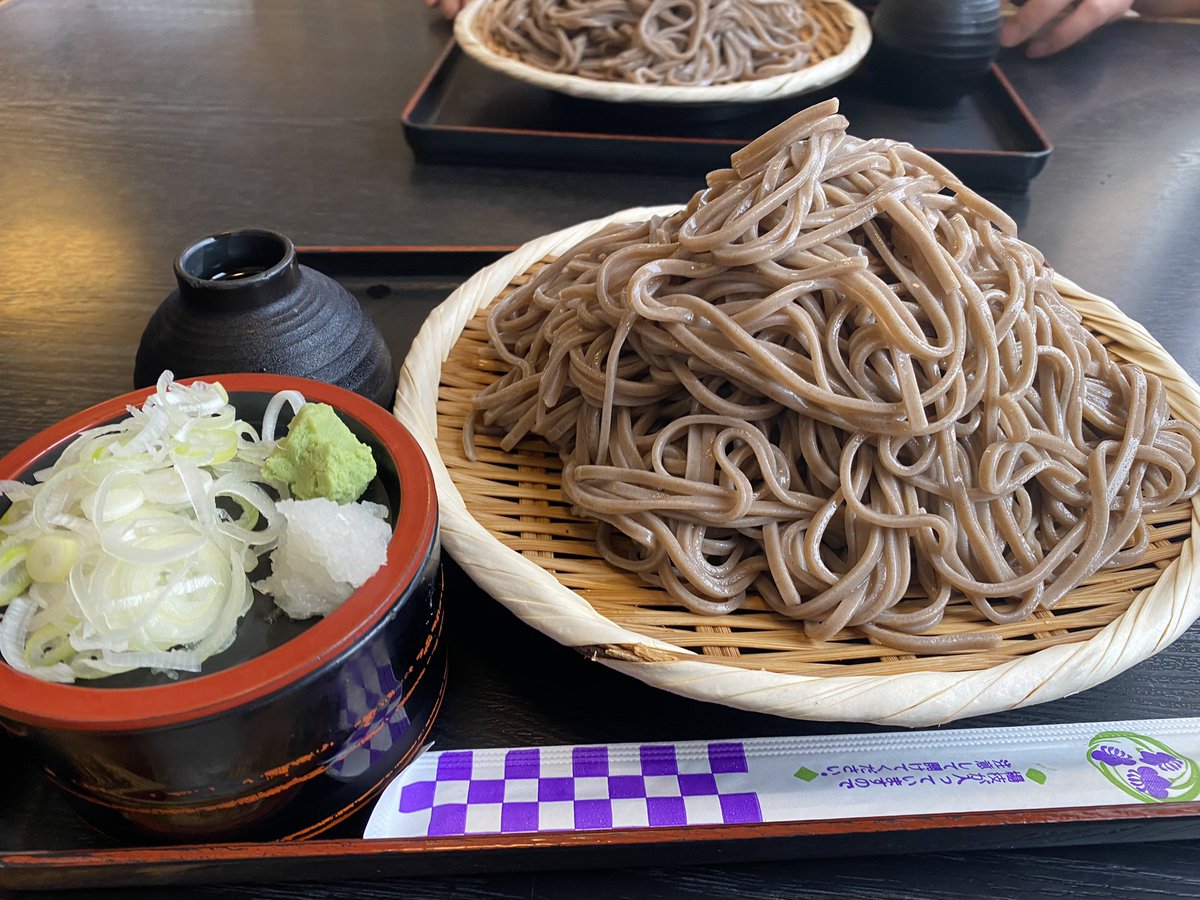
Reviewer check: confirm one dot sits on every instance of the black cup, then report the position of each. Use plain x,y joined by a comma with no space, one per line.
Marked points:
244,304
932,52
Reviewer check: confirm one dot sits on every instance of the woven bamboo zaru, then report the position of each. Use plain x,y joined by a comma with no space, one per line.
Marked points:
506,507
843,39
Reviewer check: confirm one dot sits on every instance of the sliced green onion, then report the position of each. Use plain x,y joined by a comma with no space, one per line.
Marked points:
14,575
120,557
51,557
48,646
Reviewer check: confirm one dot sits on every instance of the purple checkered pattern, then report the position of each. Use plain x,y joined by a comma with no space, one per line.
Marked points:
371,685
459,792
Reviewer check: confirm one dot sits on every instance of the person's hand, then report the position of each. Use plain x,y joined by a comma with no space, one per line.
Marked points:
449,8
1040,20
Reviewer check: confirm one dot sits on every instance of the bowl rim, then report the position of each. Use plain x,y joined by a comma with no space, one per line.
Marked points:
34,702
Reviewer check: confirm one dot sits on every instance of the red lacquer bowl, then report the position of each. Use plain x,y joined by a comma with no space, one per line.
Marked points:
297,725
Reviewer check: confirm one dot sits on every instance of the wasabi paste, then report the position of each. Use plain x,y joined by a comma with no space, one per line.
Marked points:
320,457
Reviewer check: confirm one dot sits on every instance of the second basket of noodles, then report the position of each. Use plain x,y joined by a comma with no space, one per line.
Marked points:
682,52
828,442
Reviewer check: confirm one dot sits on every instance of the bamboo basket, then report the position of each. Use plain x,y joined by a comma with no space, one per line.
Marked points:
841,45
504,521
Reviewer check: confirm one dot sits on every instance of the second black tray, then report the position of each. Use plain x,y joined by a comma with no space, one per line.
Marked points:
465,113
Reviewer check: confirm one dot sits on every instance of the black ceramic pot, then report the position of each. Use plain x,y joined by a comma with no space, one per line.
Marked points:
245,305
932,52
294,728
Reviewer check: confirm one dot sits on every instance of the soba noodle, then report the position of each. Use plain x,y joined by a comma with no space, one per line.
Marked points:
672,42
836,379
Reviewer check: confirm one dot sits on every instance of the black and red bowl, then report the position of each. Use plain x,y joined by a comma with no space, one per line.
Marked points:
294,727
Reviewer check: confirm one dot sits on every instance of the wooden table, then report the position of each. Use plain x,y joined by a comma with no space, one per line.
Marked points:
130,127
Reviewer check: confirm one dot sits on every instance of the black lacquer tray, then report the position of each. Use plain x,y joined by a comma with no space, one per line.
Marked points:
511,686
465,113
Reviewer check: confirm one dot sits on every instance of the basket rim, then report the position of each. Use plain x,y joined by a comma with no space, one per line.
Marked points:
810,78
1156,617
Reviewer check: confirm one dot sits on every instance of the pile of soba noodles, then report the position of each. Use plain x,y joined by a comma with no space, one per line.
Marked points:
669,42
838,380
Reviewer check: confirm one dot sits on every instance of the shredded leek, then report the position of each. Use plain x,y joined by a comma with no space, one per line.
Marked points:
50,558
133,549
14,575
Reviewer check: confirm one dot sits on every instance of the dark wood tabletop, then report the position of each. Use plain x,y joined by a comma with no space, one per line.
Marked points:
131,127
